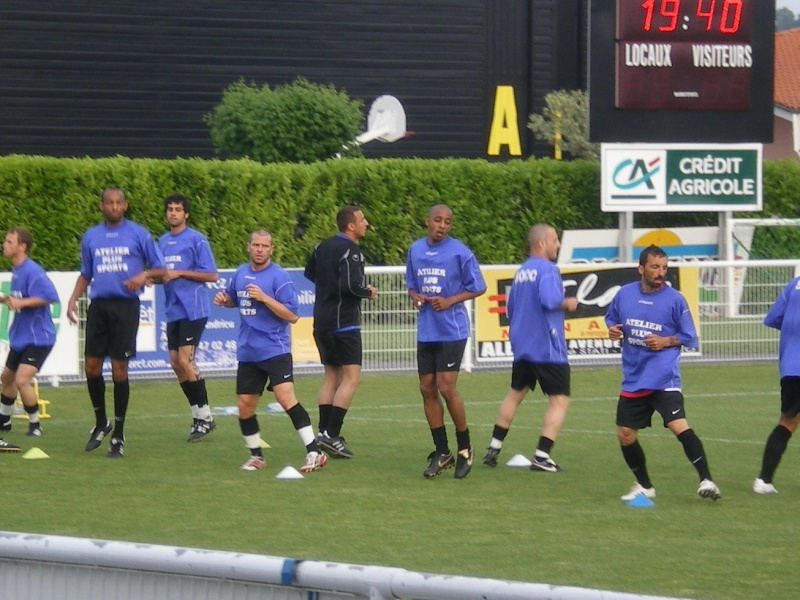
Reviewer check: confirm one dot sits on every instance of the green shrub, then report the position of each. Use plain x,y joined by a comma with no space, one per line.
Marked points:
298,122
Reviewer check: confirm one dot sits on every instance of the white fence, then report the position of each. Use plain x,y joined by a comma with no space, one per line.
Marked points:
44,567
729,301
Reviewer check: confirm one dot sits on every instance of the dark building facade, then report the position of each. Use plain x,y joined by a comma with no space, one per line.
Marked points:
135,78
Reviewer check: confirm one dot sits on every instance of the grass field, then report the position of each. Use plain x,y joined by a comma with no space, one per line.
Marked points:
569,528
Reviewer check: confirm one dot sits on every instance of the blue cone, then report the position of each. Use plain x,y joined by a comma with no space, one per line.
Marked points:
640,501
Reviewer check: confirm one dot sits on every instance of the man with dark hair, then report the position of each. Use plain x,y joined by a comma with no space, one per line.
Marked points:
190,265
115,258
267,303
535,307
336,267
32,334
441,274
653,322
784,315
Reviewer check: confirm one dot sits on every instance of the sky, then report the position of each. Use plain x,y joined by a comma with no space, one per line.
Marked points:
792,5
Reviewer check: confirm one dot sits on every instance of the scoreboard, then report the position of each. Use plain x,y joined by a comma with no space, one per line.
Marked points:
681,70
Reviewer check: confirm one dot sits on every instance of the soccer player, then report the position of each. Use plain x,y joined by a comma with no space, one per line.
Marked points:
336,266
535,308
267,303
653,322
32,334
784,315
190,265
115,258
441,274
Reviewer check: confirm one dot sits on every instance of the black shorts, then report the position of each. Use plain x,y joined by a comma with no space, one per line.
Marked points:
29,355
552,377
339,348
637,413
111,328
790,396
184,332
437,357
251,377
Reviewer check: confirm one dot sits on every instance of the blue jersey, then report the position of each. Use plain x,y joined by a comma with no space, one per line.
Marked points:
32,326
664,313
110,255
444,269
784,315
187,251
533,307
262,334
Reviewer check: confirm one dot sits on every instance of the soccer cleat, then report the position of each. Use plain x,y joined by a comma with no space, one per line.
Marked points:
7,447
637,490
34,430
6,426
254,463
490,459
762,487
439,462
116,448
463,463
314,461
709,489
334,446
96,436
200,429
545,464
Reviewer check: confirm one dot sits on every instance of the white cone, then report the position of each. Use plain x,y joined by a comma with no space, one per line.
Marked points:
518,460
289,473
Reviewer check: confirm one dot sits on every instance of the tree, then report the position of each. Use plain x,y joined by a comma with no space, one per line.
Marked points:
296,122
785,19
565,120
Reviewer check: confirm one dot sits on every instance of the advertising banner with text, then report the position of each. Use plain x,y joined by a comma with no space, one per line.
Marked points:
585,329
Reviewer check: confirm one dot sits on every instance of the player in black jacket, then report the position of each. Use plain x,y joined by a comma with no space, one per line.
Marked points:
336,266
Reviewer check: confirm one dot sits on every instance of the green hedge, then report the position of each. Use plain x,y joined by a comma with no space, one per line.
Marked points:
494,203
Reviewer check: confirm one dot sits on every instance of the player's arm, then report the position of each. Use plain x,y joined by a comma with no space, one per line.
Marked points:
281,310
72,306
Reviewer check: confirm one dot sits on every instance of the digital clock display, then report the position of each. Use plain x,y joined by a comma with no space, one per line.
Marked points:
684,54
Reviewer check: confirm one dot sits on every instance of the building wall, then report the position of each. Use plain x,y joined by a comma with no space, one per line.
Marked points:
134,77
781,147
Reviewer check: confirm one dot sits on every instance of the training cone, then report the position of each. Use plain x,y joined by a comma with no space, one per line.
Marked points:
640,501
518,461
289,473
35,453
263,444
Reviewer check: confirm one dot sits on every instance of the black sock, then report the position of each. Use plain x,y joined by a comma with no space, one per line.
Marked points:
249,426
299,417
773,452
6,401
545,445
439,435
462,438
499,433
97,394
324,416
186,386
122,394
634,456
693,448
335,421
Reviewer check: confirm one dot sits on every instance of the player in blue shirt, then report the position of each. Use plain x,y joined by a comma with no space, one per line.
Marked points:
190,265
784,315
441,274
32,334
115,258
267,303
653,322
535,307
